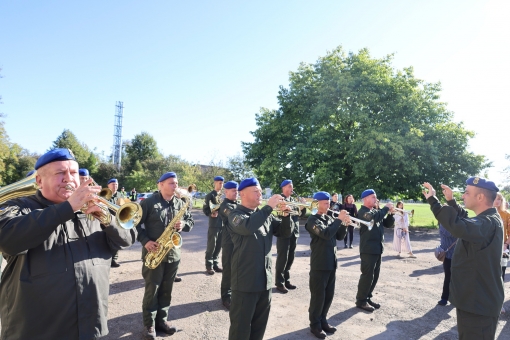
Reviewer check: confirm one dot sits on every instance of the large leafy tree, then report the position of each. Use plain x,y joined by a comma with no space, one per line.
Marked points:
84,157
141,148
351,122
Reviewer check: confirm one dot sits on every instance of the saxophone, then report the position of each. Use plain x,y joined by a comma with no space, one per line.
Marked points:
170,238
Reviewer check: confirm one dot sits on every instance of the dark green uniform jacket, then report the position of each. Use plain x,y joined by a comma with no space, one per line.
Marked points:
152,224
213,198
476,285
226,207
56,282
252,234
324,231
372,241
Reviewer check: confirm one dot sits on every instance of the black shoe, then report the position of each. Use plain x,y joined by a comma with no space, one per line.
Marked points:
319,333
442,302
209,271
166,328
217,269
115,264
282,289
150,333
373,304
326,327
226,304
345,246
350,246
177,279
365,307
289,285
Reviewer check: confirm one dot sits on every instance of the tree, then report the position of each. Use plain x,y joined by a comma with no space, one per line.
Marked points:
352,122
85,158
141,148
239,168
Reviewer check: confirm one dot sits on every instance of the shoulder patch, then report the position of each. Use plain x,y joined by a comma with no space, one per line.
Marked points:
10,209
316,229
367,216
226,211
236,221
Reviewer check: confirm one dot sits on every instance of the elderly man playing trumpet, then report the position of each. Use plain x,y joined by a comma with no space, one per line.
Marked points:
324,232
55,285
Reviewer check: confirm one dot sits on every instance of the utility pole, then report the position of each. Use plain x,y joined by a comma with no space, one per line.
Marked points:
117,135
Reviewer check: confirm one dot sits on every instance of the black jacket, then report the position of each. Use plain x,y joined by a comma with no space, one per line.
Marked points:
324,232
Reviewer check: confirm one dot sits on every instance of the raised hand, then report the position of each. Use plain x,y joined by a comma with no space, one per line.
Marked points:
274,200
429,192
447,192
82,195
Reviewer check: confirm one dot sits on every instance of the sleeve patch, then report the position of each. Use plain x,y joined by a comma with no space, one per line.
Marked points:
316,229
10,209
368,216
236,221
226,211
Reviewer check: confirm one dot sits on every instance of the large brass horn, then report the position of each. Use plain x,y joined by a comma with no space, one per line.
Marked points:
26,187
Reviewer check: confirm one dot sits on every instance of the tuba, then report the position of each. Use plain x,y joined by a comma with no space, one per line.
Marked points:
169,238
25,187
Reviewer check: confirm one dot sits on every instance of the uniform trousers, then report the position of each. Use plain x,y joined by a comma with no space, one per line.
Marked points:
213,247
286,249
476,327
447,265
158,292
322,290
370,268
249,313
227,248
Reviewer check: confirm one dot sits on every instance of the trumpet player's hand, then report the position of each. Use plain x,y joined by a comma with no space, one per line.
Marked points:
429,190
447,192
151,246
82,194
214,214
390,206
274,200
343,216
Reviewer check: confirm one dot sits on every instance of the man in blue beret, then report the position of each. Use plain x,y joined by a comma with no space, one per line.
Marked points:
324,231
371,247
56,285
286,246
227,247
84,175
113,185
252,231
211,206
158,211
476,285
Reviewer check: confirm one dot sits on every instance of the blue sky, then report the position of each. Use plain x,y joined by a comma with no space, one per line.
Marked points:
194,74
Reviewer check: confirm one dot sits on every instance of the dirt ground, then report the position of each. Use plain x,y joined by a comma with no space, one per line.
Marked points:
408,291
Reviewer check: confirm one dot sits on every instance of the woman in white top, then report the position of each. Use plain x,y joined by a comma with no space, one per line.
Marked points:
401,242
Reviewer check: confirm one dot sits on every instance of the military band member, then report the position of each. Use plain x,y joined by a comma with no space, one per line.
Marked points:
84,175
286,246
252,231
226,207
158,211
371,247
214,232
324,232
55,284
476,285
113,185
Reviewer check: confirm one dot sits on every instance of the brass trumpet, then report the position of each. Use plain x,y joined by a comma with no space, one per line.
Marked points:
127,215
356,222
313,206
402,212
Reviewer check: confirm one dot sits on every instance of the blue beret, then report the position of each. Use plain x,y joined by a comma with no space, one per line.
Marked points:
113,180
285,182
367,192
83,172
482,183
30,173
321,195
53,156
249,182
167,176
219,178
230,185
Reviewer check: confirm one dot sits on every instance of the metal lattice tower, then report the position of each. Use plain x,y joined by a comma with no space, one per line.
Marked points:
117,135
